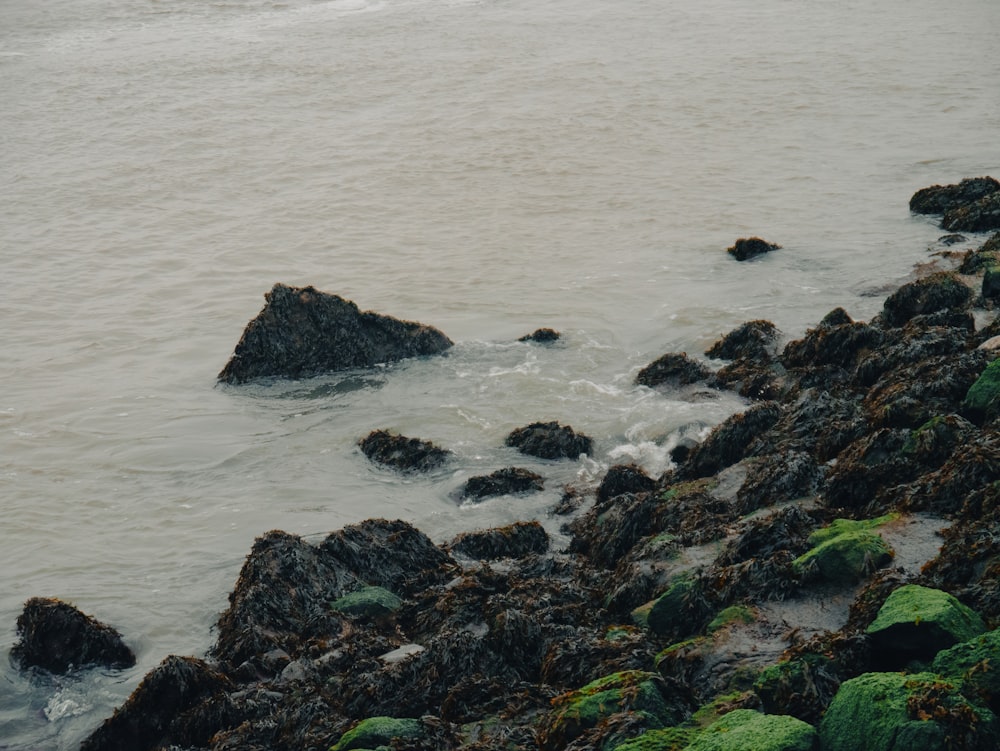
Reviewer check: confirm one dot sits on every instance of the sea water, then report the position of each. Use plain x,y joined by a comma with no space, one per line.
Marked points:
487,167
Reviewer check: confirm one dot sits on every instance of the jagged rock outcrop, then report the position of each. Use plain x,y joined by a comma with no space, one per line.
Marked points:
303,332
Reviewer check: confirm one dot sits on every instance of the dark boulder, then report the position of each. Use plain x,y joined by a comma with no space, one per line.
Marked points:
981,216
303,332
400,452
753,340
746,248
776,478
940,291
507,481
541,336
281,599
391,554
624,478
550,440
674,368
836,343
938,199
729,441
164,710
513,541
752,379
57,637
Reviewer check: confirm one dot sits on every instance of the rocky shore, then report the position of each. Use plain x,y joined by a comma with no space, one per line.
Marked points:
821,571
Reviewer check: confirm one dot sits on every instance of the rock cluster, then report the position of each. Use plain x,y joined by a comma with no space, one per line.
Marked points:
764,593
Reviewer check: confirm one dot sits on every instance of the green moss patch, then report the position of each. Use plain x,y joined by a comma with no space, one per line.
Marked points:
983,398
897,712
917,622
846,551
744,729
378,731
734,614
369,602
634,691
975,664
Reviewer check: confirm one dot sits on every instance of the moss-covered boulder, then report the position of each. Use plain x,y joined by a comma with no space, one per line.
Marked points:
670,614
898,712
632,691
369,602
975,664
846,551
662,739
916,623
982,402
744,729
378,731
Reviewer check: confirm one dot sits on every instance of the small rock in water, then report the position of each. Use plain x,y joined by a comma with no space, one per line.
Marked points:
550,440
400,452
543,336
57,637
507,481
750,247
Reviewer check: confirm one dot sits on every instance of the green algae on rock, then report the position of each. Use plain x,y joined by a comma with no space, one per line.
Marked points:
378,731
748,729
975,664
634,691
983,398
846,551
369,602
897,712
917,622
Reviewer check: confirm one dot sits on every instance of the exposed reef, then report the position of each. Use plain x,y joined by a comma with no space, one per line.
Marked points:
821,571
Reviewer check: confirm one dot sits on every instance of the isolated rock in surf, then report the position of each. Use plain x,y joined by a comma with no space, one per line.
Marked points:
303,332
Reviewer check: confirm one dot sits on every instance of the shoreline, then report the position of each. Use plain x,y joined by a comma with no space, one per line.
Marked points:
668,582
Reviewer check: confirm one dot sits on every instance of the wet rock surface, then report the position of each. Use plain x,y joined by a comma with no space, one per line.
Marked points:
550,440
715,590
402,453
57,637
303,332
506,481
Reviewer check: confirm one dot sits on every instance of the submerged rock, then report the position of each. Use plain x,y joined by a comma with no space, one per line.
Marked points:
507,481
402,453
57,637
746,248
303,332
550,440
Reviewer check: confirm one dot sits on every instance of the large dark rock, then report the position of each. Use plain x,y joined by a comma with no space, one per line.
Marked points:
624,478
746,248
506,481
550,440
674,368
937,199
981,216
402,453
163,710
303,332
57,637
281,599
